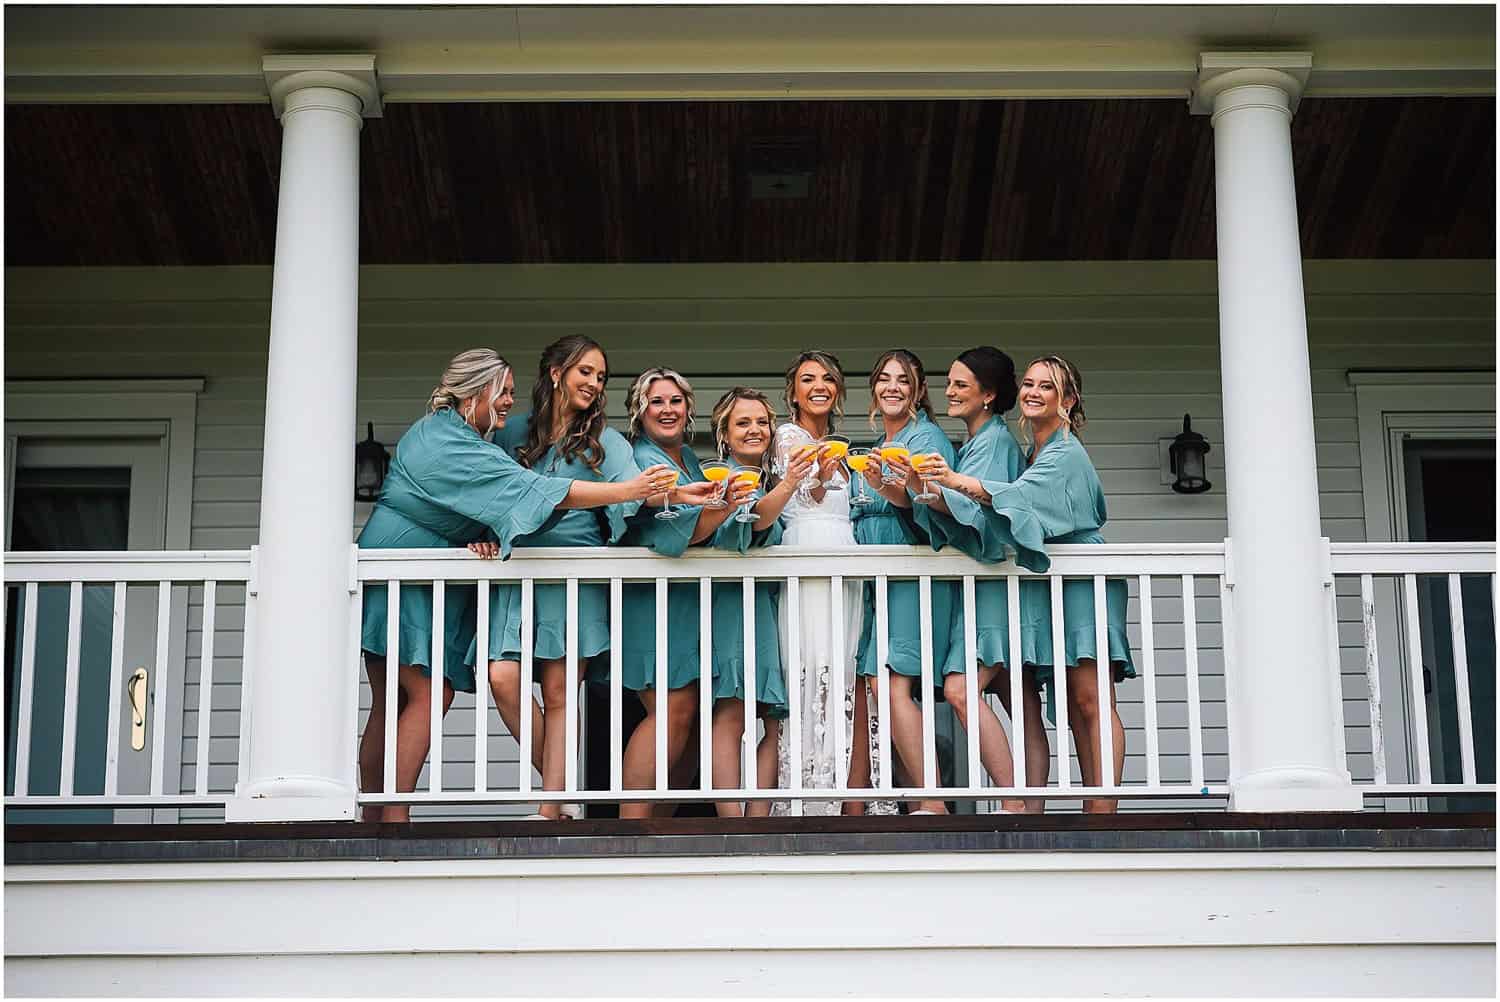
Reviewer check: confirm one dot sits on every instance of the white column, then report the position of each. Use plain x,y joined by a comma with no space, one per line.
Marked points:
299,697
1283,697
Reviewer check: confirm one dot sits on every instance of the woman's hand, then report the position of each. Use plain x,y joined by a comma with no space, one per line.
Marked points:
874,473
653,482
936,470
798,464
485,551
827,464
696,494
741,491
901,466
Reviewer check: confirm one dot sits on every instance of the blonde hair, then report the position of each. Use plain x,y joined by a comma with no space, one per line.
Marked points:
912,366
468,374
720,418
830,364
1069,382
638,399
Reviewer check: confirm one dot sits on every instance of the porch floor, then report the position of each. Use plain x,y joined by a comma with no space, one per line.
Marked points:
1140,832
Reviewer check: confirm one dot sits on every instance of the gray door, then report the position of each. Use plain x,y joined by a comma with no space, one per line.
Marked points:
92,494
1450,487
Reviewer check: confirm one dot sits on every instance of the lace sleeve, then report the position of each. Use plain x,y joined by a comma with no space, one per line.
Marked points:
788,437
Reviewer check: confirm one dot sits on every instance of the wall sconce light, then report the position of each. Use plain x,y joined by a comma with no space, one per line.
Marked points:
371,461
1189,452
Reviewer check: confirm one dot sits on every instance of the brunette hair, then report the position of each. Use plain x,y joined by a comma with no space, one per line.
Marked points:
830,364
725,406
1069,382
912,366
995,372
638,399
582,435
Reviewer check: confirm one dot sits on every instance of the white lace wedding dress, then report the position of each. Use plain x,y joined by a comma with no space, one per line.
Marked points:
822,524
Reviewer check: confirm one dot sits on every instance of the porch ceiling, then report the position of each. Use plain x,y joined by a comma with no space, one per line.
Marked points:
967,180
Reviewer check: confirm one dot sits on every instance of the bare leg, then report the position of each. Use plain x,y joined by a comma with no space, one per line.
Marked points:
1083,704
413,734
859,749
994,746
765,767
505,686
680,772
372,741
639,766
728,739
1038,751
554,731
906,735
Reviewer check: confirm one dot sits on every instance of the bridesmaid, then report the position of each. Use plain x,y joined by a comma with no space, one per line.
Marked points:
743,423
981,388
447,486
1058,499
898,392
661,406
564,436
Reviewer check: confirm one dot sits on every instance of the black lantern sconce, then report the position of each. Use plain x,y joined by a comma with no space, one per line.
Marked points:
371,462
1189,452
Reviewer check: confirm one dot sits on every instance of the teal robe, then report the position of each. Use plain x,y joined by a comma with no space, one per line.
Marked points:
447,487
672,538
882,523
583,527
1058,499
990,455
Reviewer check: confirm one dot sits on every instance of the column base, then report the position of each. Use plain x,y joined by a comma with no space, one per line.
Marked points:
291,798
1274,791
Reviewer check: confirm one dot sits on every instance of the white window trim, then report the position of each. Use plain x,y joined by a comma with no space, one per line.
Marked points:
90,402
1391,409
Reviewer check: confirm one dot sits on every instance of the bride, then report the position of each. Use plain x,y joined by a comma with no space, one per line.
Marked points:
818,516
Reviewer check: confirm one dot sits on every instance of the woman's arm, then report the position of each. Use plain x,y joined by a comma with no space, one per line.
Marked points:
710,519
775,501
652,483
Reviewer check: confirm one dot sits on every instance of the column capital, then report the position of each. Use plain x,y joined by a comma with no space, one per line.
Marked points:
353,73
1220,71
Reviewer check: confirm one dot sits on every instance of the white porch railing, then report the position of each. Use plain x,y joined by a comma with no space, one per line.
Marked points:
148,722
1177,746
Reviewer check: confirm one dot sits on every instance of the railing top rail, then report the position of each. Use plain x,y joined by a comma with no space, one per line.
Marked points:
132,565
779,561
1412,558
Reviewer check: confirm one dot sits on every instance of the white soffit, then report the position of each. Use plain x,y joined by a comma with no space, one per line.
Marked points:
565,52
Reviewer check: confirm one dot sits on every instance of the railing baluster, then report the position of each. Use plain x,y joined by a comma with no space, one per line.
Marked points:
883,672
435,715
1060,683
1016,670
570,697
1148,674
1336,673
482,688
159,688
70,688
116,680
1104,671
1418,688
1194,707
747,756
247,682
706,682
392,681
27,693
616,685
528,669
661,684
837,686
971,684
1461,677
1372,675
929,725
794,690
205,686
356,678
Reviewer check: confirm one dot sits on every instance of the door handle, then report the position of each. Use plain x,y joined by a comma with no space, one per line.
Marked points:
136,687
